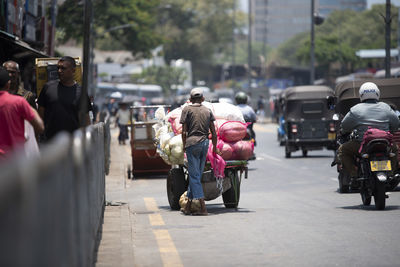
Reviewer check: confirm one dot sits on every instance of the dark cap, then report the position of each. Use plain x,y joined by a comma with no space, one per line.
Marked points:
196,93
4,77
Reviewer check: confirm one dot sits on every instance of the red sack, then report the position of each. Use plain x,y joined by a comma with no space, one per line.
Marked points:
373,133
232,131
242,150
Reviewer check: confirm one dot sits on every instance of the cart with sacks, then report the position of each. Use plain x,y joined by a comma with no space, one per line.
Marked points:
223,173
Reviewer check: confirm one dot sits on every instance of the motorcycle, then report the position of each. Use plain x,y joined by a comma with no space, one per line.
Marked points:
375,172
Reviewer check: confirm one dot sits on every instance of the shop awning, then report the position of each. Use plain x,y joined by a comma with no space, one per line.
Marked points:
16,48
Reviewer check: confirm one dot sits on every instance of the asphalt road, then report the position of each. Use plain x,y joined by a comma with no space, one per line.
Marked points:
290,214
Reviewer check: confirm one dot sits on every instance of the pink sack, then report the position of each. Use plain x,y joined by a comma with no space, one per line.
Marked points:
232,131
217,162
242,150
226,149
217,124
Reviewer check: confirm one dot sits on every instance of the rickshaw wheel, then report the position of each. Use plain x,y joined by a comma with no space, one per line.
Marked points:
287,152
176,186
232,195
342,187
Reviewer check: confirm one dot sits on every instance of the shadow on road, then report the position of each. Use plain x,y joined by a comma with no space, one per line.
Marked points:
215,209
369,208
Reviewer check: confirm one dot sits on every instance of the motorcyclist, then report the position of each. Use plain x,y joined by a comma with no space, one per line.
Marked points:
248,112
368,113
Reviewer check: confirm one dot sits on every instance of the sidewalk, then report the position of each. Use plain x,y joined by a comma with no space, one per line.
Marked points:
116,245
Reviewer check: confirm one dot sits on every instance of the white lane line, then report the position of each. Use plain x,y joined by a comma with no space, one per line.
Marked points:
270,157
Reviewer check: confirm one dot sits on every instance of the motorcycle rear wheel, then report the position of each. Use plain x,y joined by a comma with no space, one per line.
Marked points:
380,196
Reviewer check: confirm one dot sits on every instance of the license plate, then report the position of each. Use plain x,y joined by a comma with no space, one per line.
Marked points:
382,165
331,136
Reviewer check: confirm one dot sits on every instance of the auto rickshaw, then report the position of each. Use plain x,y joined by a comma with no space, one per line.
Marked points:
346,96
308,121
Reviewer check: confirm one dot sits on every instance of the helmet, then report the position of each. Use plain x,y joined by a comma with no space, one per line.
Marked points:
369,90
241,98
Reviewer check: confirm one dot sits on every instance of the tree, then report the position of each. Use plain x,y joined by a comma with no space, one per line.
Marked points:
197,31
140,38
165,76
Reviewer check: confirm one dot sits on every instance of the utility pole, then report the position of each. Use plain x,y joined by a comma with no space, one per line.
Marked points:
398,36
86,57
388,21
312,53
233,41
249,47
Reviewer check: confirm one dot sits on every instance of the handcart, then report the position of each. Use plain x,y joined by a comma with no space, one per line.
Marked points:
145,159
178,180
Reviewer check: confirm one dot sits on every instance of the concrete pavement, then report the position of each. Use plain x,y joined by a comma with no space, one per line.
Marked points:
116,245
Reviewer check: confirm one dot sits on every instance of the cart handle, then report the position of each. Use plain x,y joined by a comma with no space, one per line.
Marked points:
150,156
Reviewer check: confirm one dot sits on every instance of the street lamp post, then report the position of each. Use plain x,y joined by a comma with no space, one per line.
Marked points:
312,52
249,48
388,21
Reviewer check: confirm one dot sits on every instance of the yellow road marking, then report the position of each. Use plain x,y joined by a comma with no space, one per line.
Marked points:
169,255
260,128
156,219
151,204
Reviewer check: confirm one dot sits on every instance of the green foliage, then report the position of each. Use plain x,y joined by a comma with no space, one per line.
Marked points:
197,30
164,76
139,38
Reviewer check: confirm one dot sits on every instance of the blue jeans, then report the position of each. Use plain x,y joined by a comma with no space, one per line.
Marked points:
196,156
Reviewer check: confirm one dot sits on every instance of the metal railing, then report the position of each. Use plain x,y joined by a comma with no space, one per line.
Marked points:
52,206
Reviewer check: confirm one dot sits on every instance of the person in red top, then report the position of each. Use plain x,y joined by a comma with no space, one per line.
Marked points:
13,111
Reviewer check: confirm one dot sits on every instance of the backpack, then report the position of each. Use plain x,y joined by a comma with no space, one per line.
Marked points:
374,133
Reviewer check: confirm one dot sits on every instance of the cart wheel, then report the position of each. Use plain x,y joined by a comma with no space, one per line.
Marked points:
176,186
232,195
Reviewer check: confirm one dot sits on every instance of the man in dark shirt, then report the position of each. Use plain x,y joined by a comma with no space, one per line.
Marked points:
197,120
16,87
60,101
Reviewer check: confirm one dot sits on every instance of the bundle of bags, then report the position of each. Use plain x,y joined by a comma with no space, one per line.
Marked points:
229,125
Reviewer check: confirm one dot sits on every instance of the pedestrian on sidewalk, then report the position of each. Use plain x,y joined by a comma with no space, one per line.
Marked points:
197,121
16,87
60,101
123,119
13,111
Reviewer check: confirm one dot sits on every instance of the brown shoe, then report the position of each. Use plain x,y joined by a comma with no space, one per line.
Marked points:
187,209
203,210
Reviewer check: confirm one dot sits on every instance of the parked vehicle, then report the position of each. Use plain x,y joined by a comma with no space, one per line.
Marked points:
346,96
308,121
